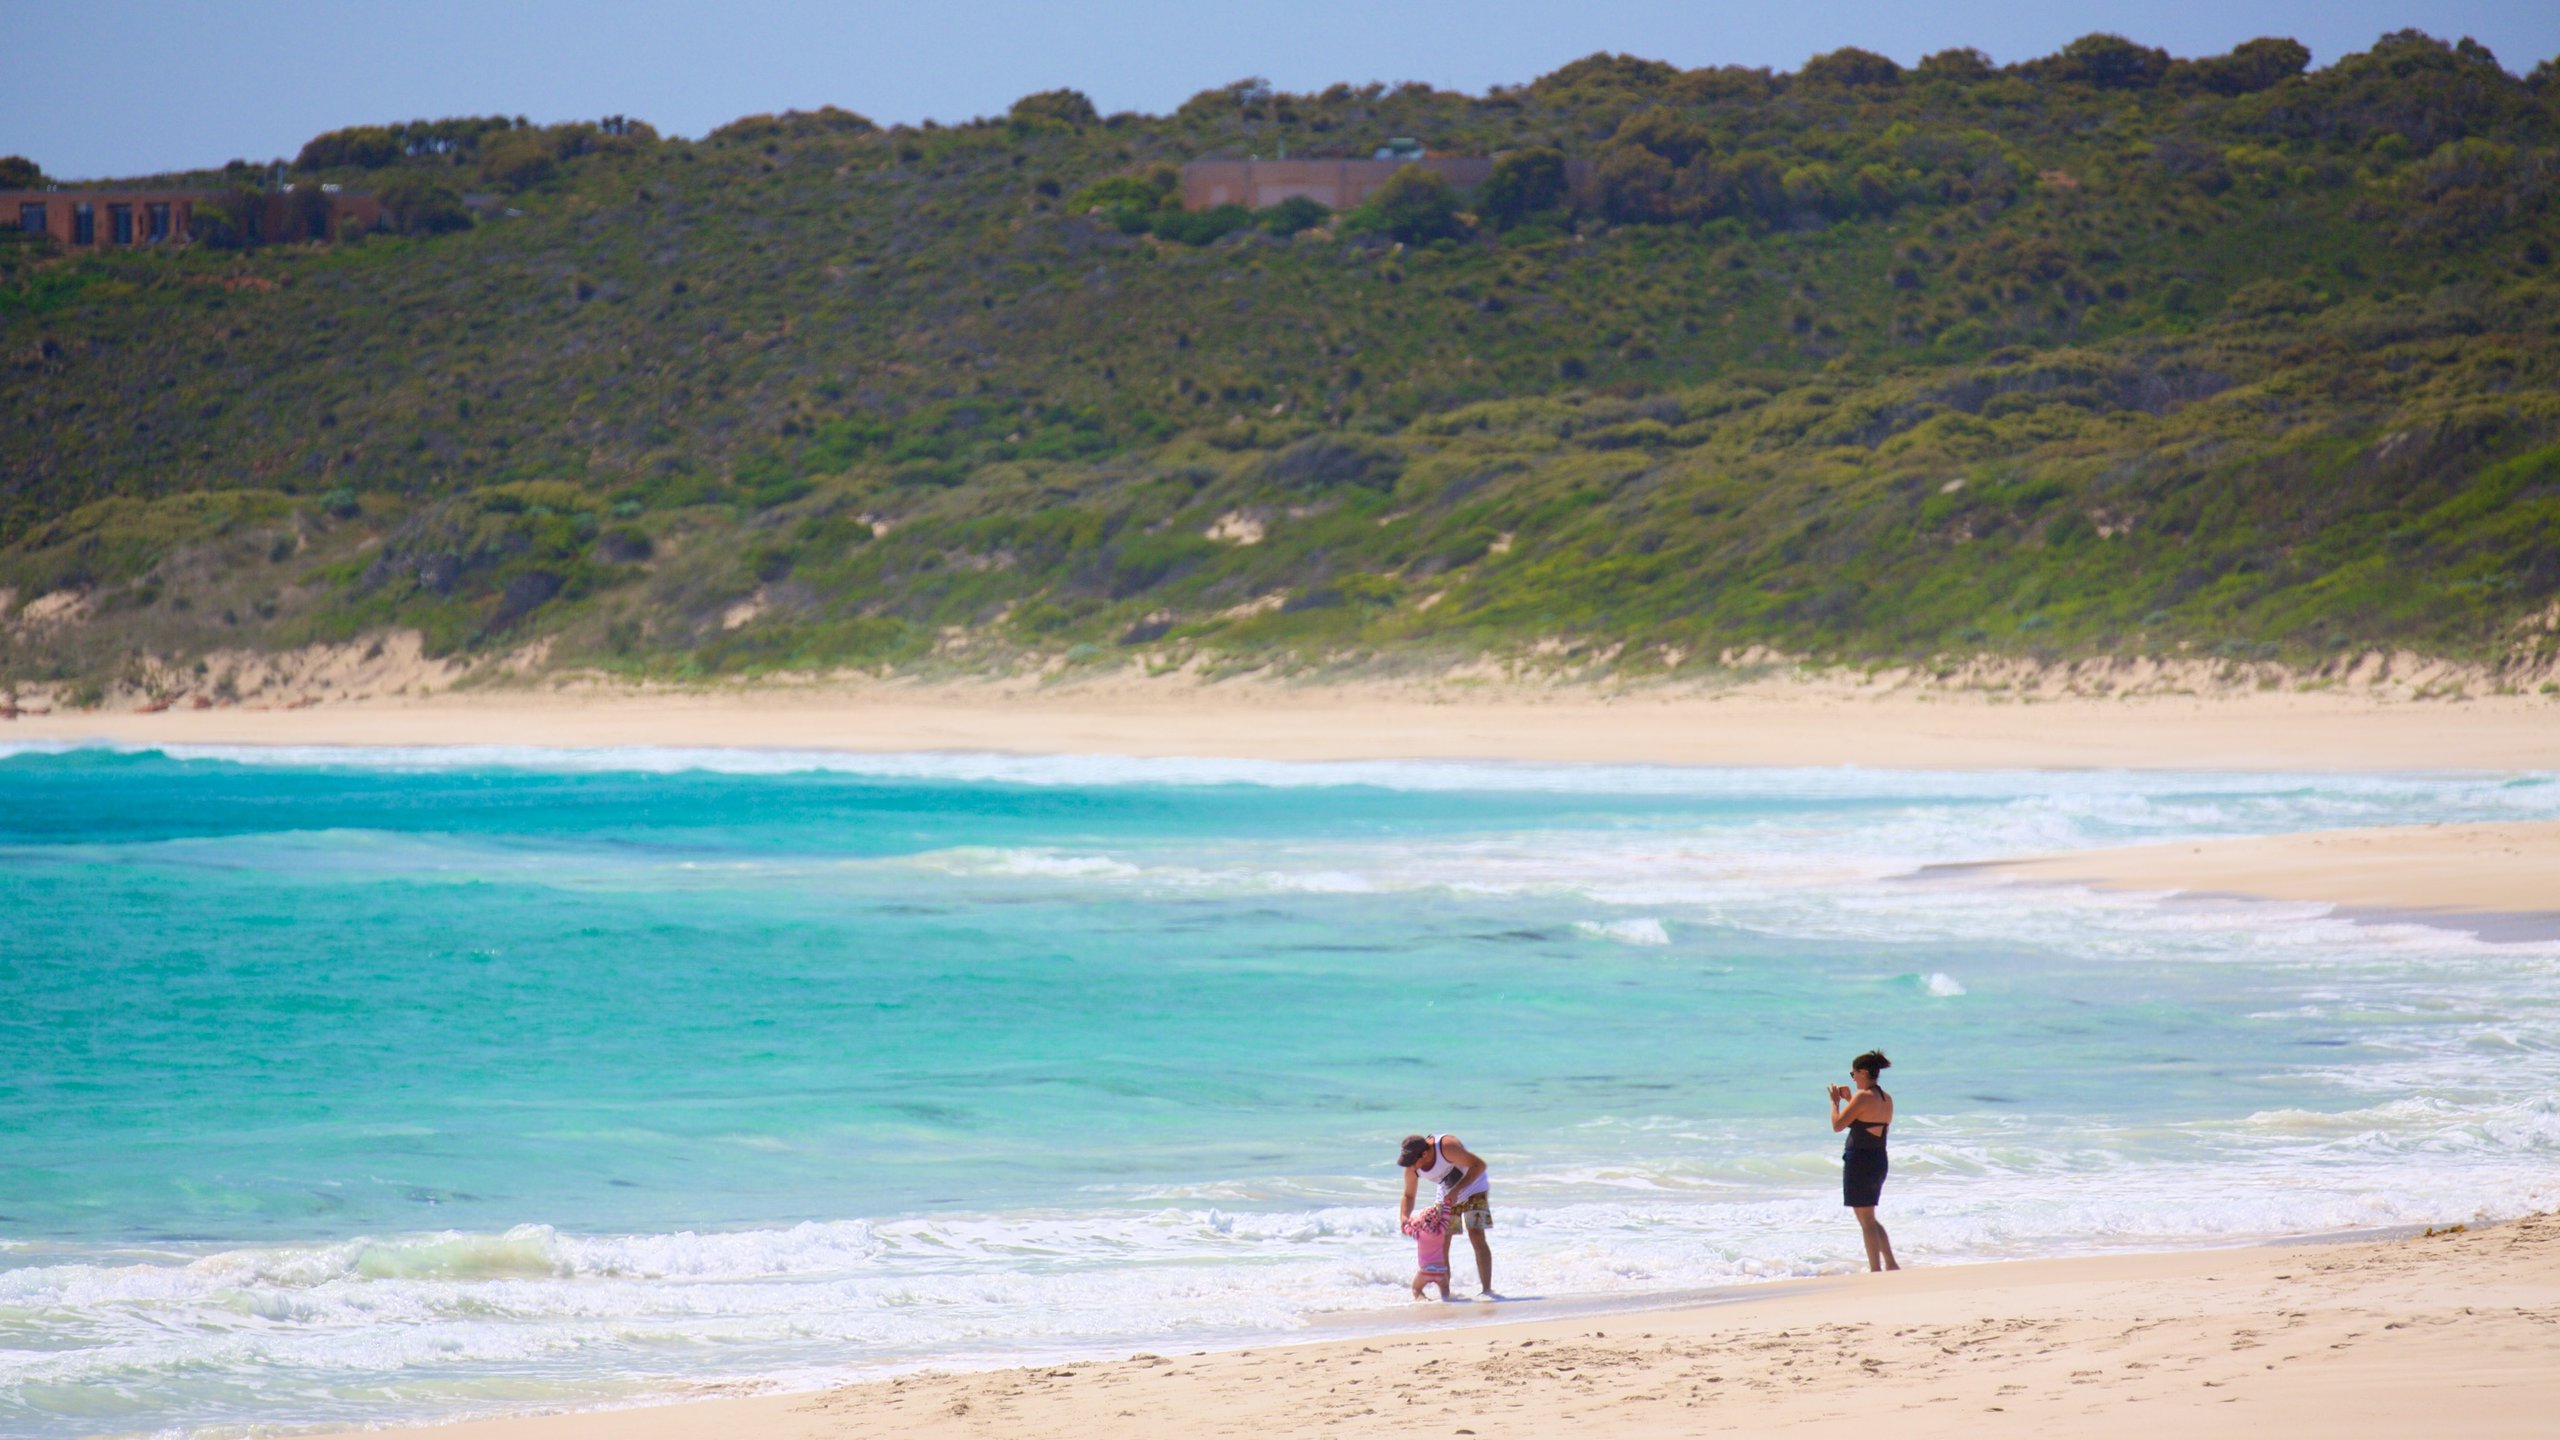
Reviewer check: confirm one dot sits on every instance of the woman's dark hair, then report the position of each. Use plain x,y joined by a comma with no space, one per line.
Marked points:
1873,1062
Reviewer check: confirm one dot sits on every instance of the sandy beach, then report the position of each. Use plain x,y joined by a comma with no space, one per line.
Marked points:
2502,876
2413,1335
1772,722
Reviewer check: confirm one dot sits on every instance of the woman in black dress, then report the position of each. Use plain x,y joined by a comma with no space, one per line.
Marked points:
1865,1113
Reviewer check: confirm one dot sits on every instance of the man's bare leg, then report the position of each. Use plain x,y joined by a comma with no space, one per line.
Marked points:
1484,1257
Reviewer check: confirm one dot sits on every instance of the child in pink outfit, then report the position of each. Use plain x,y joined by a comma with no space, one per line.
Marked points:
1430,1232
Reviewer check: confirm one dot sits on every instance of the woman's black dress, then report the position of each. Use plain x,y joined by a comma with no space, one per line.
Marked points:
1862,1165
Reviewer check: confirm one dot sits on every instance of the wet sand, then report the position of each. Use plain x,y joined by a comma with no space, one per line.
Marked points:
2450,1334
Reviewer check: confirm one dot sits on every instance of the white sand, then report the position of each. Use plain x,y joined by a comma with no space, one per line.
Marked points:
1779,722
2417,869
2453,1335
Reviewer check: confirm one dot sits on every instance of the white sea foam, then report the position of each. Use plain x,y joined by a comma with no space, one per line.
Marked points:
1641,931
819,1301
1942,985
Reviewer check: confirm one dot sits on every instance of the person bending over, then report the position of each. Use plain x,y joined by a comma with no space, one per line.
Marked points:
1460,1174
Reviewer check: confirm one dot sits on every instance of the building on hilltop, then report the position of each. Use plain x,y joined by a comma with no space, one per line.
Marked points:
113,219
1339,184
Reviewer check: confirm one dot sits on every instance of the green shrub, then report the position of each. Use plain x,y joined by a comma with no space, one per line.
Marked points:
1058,107
1156,188
1415,206
416,203
2243,348
1201,227
1523,183
2109,62
1293,215
1850,69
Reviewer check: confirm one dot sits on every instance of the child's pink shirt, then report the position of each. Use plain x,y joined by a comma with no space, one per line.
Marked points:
1430,1232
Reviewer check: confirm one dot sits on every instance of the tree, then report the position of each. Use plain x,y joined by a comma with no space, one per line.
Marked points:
414,203
1416,206
1249,96
1666,133
1721,85
1634,184
226,220
2109,62
1753,183
1658,166
1523,183
522,159
1132,202
1850,68
358,147
1071,108
17,172
1293,215
1156,189
1961,66
1601,75
2257,65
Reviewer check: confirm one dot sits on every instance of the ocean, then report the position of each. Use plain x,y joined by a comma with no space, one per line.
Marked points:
344,1087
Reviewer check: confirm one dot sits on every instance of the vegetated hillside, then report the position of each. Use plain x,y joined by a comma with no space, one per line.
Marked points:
2101,353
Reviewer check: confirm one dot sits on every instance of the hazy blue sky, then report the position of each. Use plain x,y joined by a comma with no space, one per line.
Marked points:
116,87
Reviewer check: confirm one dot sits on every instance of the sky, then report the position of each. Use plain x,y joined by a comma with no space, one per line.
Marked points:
119,87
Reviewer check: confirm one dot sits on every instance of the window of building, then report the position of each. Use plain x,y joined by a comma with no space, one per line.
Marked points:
31,219
84,224
157,217
319,216
120,224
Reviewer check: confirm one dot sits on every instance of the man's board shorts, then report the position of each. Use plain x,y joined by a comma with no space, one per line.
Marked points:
1473,1213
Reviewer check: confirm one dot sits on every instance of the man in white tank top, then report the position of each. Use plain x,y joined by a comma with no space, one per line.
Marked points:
1460,1174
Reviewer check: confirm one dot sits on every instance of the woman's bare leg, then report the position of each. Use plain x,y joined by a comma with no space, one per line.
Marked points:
1879,1244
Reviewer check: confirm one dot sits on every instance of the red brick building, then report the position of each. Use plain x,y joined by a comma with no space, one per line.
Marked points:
115,219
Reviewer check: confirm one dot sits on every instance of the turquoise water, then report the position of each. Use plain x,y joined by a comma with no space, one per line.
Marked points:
350,1086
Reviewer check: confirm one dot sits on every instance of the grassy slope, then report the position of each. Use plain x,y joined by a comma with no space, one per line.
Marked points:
2078,370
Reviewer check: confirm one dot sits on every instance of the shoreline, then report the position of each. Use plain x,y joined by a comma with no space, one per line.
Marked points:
2361,1334
1792,722
2500,880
